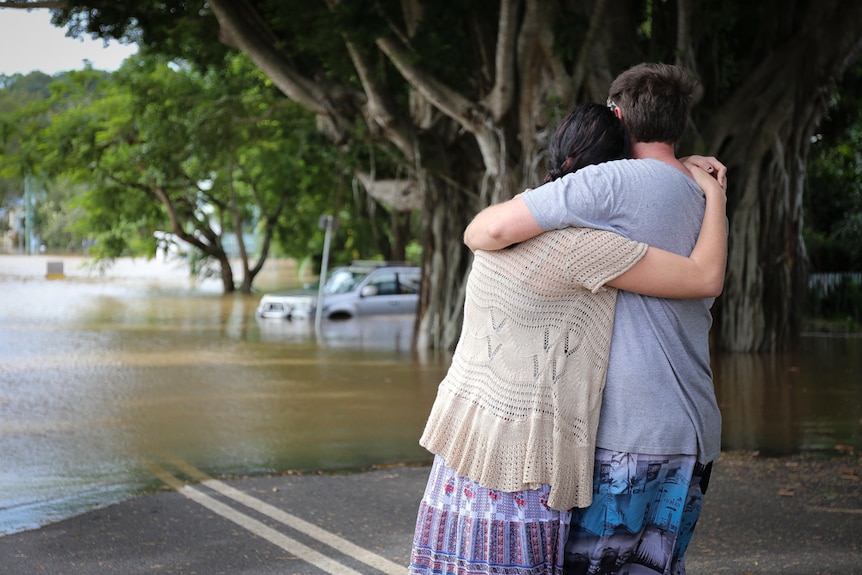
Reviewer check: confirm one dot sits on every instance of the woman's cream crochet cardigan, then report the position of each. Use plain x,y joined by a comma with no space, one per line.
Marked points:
520,403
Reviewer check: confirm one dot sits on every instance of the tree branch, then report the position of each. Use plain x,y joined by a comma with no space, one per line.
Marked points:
500,99
378,109
24,5
444,98
471,116
596,21
241,27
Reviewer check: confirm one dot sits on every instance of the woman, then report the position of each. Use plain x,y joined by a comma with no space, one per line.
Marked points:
513,426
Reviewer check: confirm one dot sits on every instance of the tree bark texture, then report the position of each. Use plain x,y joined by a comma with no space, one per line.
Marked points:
763,134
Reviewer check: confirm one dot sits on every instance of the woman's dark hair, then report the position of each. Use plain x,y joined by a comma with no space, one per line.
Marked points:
589,134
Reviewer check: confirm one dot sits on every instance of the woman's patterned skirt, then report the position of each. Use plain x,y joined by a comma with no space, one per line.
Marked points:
466,529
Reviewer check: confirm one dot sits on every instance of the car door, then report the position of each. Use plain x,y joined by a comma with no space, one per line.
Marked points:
389,292
408,286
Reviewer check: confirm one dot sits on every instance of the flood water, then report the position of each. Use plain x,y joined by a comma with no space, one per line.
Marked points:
102,376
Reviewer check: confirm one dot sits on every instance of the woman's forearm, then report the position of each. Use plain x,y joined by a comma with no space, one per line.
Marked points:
664,274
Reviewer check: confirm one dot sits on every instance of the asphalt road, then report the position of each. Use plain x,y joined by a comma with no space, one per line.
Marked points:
788,516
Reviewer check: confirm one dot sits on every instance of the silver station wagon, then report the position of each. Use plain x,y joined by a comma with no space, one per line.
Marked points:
361,289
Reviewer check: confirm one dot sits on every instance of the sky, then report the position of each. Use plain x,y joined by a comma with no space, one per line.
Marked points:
28,42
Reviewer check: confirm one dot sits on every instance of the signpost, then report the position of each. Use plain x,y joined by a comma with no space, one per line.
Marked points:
329,224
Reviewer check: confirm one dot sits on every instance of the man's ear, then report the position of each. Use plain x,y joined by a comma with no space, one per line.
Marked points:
618,112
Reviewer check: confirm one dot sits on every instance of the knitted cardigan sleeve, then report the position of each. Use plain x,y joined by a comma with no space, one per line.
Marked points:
520,403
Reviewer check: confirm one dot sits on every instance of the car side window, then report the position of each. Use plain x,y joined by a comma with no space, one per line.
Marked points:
386,284
341,281
408,283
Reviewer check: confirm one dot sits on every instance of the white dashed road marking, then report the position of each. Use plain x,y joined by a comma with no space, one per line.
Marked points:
268,533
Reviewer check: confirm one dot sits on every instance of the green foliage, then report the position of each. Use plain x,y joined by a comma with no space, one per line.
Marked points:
18,86
455,37
220,144
166,24
833,195
833,212
835,300
16,92
58,220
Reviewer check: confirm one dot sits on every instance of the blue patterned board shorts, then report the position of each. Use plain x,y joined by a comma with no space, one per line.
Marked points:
642,517
466,529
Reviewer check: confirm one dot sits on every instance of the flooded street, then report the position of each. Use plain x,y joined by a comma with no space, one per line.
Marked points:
100,377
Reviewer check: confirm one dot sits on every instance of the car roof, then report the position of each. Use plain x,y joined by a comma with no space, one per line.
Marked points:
371,265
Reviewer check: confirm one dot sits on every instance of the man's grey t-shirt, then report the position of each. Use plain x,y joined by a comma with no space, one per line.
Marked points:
659,397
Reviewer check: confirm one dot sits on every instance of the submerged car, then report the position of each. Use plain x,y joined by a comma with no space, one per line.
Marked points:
361,289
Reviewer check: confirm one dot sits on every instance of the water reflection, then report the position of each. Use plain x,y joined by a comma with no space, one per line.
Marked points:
99,377
391,332
754,393
808,400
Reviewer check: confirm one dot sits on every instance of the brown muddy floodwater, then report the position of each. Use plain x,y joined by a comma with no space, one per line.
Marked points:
101,377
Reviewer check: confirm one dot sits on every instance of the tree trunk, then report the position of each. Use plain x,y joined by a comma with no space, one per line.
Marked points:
225,272
763,135
445,266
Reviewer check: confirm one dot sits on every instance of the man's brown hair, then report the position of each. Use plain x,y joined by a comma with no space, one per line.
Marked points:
655,101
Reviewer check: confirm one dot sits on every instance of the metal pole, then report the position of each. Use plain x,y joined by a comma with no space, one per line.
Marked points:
324,223
29,217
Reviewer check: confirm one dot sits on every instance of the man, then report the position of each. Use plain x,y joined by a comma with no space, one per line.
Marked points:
660,427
